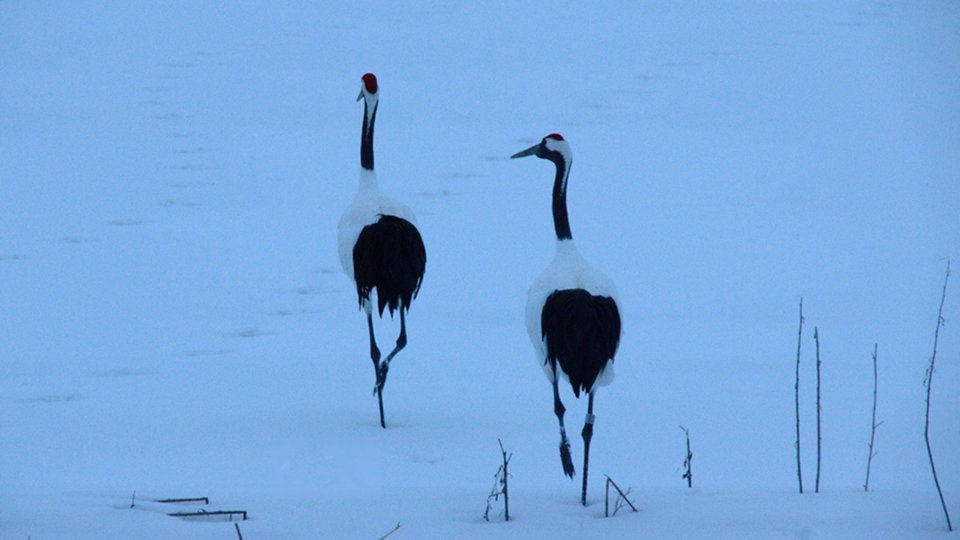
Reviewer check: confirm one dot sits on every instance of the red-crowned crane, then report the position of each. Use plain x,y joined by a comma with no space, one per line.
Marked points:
572,314
380,246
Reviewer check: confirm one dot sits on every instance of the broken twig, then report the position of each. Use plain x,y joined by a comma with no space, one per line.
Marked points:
618,503
203,515
393,530
204,500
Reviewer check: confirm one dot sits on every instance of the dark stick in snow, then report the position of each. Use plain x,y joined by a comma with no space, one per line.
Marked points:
500,486
796,388
617,503
203,515
688,460
393,530
506,497
873,423
929,383
816,337
205,500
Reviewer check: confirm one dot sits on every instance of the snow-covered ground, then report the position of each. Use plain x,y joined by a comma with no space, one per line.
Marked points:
173,319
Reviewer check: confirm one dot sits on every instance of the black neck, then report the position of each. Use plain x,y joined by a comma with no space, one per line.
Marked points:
561,221
366,138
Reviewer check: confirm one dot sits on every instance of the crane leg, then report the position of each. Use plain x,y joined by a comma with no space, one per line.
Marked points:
375,356
559,410
587,434
401,343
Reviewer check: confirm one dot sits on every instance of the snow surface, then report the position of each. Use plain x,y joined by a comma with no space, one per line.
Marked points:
174,321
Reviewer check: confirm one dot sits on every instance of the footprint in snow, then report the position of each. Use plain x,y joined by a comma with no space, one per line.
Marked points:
634,91
191,167
192,150
246,333
161,102
207,352
78,240
157,89
678,64
127,372
426,460
310,291
439,194
292,312
189,184
171,116
127,222
173,203
61,398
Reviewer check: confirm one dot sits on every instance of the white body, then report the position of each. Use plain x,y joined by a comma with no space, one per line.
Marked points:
366,208
569,270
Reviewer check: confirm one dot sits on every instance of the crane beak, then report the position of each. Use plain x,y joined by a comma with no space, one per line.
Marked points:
528,152
361,95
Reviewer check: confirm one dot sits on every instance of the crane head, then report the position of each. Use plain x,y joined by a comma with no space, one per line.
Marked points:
369,89
553,147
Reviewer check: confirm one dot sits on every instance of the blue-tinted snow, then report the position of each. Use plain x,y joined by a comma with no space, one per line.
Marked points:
173,320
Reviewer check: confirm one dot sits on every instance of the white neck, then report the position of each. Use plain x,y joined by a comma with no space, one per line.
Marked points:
566,248
368,180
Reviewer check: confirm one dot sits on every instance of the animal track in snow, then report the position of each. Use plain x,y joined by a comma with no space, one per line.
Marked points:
127,372
246,333
57,398
173,203
207,352
131,222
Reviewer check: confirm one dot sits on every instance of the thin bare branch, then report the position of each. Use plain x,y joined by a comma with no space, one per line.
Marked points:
617,503
816,338
929,385
796,389
506,474
500,486
393,530
688,461
873,423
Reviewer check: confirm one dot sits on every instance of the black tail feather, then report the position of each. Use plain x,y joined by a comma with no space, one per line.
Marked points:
389,256
582,332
